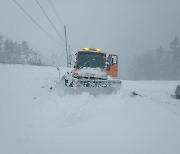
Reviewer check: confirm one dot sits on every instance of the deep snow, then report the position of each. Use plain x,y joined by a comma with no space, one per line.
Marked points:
37,120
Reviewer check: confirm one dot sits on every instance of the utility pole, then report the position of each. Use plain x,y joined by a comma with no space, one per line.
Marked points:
53,58
70,56
67,56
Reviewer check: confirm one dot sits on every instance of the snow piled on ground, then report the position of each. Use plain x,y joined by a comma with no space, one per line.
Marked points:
35,119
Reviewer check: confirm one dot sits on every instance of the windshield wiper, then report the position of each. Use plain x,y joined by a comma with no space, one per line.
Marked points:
87,63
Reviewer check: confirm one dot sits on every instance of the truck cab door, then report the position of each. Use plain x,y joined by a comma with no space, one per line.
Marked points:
112,68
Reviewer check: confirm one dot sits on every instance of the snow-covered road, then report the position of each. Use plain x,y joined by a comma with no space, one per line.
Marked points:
37,120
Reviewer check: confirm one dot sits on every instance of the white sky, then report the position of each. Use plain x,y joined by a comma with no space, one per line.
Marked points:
126,27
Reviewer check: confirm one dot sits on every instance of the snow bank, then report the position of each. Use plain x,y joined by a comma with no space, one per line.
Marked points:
35,119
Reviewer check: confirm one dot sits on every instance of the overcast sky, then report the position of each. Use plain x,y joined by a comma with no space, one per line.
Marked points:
126,27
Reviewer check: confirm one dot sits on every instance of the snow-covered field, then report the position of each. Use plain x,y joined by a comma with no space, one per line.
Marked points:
35,119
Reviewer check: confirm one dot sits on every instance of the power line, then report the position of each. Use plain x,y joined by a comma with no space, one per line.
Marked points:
55,12
49,20
33,20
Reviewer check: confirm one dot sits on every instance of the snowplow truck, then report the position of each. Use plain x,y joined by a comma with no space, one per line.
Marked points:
94,69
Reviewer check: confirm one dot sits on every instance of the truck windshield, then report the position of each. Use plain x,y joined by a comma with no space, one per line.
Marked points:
90,59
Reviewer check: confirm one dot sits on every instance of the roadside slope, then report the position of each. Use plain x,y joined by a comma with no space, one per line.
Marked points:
35,119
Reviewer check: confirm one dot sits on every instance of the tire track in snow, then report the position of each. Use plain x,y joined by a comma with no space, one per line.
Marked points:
165,104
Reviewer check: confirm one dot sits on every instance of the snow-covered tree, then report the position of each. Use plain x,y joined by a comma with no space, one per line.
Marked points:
9,51
25,51
17,53
175,52
1,49
35,59
158,64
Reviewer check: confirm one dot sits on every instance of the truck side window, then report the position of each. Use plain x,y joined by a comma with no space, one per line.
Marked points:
114,59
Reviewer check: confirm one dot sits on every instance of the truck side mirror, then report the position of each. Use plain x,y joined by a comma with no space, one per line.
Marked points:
107,65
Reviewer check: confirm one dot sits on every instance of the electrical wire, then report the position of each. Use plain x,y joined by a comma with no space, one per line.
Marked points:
55,12
49,20
60,21
33,20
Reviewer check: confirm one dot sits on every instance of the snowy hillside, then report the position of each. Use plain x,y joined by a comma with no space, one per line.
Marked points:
35,119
